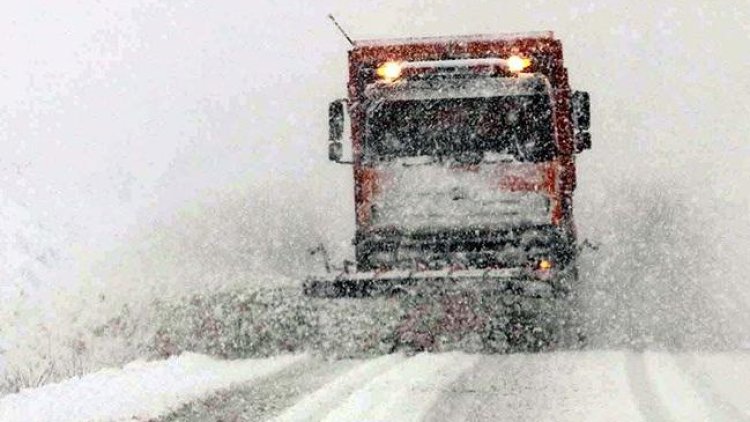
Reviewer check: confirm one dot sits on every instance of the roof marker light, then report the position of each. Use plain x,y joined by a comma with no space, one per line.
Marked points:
516,63
389,71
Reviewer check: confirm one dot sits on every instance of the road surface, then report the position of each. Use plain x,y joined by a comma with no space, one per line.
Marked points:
559,386
567,386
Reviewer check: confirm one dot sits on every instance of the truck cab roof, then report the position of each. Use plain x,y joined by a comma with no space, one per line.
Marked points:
455,39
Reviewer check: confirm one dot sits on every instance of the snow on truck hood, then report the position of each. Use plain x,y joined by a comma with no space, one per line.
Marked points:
414,196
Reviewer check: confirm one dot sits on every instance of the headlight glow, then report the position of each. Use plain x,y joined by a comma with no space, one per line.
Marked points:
517,63
389,71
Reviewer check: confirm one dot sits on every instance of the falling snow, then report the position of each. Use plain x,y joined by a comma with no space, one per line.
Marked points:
164,179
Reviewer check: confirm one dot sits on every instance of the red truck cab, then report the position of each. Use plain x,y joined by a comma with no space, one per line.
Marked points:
463,153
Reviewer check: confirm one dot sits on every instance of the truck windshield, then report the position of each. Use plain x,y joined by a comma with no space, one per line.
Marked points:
460,128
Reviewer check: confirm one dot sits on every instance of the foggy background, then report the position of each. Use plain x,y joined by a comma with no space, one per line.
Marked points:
159,149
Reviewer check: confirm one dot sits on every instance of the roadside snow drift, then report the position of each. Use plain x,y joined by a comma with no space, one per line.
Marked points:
140,390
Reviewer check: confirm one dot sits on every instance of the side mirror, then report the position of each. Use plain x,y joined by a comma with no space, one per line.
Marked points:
335,151
582,141
581,111
336,121
335,130
581,116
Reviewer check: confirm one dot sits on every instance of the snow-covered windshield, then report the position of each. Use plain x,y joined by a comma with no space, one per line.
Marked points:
460,128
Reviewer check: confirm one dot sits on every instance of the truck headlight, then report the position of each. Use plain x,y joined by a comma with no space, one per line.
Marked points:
389,71
517,63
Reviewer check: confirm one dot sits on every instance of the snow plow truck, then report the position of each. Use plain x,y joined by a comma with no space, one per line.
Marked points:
463,153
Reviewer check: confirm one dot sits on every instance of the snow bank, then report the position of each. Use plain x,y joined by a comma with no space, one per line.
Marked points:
140,390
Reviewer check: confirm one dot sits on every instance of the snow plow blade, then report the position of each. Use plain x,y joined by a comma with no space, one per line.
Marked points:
516,281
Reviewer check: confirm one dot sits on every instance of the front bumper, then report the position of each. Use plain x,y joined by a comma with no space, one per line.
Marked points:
515,281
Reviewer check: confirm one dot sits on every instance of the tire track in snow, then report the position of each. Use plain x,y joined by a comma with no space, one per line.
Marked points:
460,401
467,398
739,302
721,408
407,391
676,392
262,398
727,373
560,386
316,405
643,391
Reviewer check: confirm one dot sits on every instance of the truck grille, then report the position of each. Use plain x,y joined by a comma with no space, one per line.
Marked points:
470,249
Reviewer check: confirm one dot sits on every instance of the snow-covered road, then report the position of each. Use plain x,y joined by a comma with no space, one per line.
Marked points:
561,386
